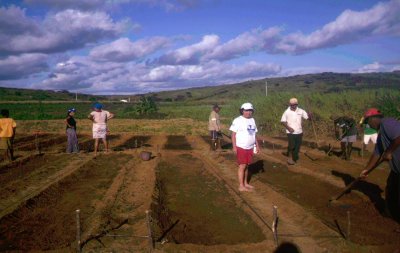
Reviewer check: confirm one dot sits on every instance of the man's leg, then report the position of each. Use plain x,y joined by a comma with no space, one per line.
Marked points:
392,197
213,135
12,150
298,138
246,178
8,150
291,144
343,148
349,149
241,177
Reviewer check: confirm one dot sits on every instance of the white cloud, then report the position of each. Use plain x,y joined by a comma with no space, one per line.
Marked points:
86,75
59,32
254,40
18,67
190,54
370,68
125,50
382,19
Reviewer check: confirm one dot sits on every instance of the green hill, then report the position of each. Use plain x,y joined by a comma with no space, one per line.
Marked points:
323,82
13,94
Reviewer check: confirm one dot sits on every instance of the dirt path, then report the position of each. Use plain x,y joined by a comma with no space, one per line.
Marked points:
128,199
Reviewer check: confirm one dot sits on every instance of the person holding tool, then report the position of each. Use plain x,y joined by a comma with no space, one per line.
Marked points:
214,126
346,133
244,143
292,120
386,149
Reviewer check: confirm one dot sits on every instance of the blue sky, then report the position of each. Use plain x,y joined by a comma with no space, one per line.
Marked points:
139,46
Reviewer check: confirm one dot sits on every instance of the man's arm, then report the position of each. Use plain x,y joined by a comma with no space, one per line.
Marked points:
370,165
285,124
233,137
13,134
387,155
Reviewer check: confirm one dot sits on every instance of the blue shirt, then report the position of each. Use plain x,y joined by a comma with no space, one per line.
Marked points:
388,132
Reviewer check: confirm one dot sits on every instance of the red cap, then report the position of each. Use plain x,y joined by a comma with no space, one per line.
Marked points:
372,112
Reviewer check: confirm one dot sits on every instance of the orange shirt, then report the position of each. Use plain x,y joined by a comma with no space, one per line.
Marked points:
6,127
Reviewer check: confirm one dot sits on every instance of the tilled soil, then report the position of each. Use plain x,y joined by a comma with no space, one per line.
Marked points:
196,191
196,211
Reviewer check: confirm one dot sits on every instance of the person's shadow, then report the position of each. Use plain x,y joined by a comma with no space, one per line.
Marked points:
255,168
371,190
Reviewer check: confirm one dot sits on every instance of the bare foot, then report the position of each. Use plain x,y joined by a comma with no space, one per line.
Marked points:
249,186
244,189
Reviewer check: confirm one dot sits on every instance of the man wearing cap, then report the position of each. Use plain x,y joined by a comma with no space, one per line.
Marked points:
215,128
100,118
72,138
292,120
244,143
7,134
387,148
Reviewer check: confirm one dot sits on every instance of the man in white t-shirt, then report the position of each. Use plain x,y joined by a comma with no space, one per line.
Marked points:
292,120
100,118
244,143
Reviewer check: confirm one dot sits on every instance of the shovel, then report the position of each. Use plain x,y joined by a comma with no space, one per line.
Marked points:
358,179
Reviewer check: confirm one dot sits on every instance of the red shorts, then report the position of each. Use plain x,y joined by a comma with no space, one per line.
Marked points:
244,156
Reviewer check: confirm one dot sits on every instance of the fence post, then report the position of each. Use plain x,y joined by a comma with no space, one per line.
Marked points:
348,225
275,223
78,232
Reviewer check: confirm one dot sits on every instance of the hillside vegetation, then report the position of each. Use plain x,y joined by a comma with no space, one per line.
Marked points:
20,95
323,83
326,95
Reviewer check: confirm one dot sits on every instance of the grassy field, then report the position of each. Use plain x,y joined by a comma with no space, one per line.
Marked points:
268,110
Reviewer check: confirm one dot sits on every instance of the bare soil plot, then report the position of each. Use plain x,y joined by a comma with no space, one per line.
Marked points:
193,207
177,142
134,142
193,195
48,220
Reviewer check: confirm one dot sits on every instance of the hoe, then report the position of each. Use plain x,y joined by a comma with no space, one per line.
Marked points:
351,185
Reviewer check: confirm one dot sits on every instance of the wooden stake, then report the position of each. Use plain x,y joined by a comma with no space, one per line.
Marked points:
275,223
78,232
150,236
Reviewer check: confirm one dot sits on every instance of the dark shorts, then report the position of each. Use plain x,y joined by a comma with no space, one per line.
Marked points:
214,134
244,156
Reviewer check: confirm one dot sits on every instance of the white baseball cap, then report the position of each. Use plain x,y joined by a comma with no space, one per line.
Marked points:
247,106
